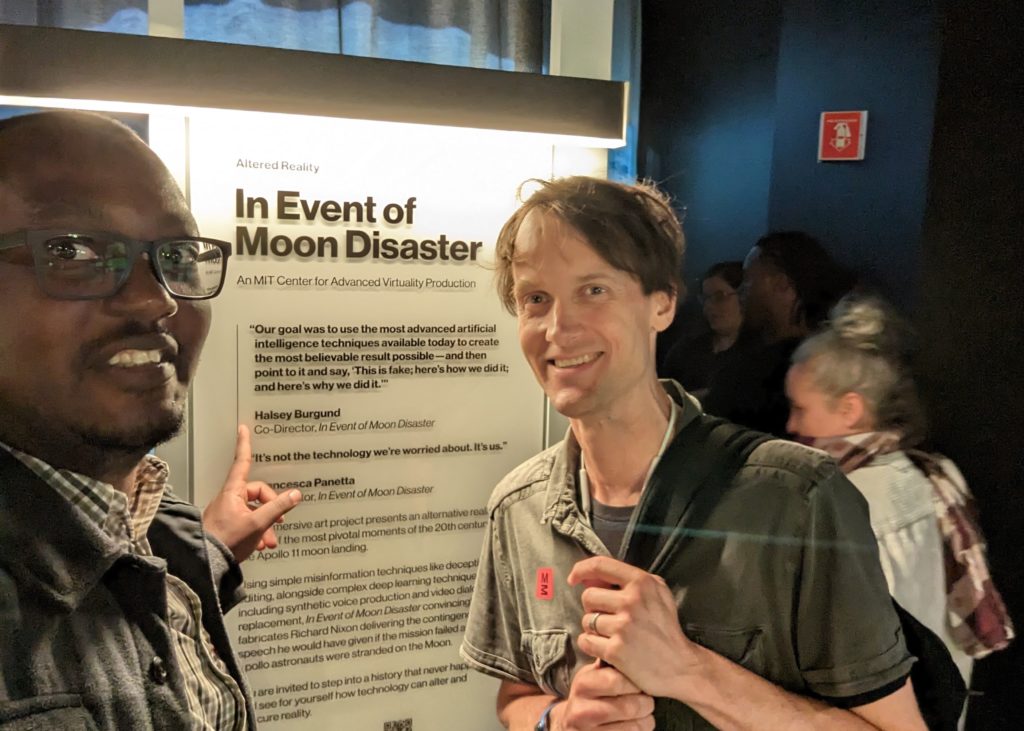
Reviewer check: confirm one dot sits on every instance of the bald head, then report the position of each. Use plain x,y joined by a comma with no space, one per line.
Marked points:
57,166
66,393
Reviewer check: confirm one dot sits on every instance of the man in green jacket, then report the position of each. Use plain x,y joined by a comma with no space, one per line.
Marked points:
773,613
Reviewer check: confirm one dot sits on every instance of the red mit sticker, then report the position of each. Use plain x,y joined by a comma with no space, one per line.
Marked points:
546,584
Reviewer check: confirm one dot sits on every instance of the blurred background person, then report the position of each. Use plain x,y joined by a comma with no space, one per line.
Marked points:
851,394
693,362
789,283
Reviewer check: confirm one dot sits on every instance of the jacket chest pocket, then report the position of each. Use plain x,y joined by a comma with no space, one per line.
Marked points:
742,646
551,659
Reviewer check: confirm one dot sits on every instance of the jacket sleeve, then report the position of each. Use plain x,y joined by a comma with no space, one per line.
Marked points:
194,556
849,639
492,643
227,574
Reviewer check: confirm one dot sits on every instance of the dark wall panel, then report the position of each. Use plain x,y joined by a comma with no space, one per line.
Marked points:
971,309
707,118
935,215
881,56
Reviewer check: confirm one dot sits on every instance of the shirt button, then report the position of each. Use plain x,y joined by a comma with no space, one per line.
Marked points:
157,671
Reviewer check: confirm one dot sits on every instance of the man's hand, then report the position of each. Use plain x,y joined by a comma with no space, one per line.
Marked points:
231,516
637,626
637,630
602,697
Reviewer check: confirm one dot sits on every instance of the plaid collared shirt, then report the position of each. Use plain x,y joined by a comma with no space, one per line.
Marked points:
214,699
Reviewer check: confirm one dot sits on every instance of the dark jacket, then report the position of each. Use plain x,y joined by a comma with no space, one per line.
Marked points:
780,576
749,385
84,639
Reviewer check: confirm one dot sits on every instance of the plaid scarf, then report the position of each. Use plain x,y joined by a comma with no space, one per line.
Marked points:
977,618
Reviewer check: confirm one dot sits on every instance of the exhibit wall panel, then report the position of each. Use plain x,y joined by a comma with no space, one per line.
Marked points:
360,339
358,336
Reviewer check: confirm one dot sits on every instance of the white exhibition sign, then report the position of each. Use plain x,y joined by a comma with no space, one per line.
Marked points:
360,338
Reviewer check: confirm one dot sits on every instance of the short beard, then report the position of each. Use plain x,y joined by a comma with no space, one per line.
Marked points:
138,440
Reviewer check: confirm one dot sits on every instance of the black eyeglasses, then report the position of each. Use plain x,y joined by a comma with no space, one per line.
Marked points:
90,265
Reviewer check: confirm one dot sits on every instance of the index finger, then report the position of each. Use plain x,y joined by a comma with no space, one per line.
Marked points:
243,456
598,570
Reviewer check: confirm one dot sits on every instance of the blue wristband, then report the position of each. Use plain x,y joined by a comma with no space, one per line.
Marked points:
542,724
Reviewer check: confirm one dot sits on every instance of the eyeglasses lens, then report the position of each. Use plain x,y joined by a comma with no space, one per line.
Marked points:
190,268
81,266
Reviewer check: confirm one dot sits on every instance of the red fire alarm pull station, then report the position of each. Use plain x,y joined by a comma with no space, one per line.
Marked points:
841,136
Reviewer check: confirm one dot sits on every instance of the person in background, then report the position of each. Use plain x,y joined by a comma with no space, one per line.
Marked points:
112,589
851,395
789,283
693,363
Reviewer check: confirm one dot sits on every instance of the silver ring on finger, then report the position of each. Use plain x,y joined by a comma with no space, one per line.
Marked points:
593,622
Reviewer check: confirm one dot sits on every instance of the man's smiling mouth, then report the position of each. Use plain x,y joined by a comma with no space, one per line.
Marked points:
132,358
571,362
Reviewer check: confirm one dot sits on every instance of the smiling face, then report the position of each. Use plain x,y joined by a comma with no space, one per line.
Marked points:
108,373
585,327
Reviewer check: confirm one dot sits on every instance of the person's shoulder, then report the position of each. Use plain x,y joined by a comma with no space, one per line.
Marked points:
883,471
886,468
804,479
517,483
952,471
797,466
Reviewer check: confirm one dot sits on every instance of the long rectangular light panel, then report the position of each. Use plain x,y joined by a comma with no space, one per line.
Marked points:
117,72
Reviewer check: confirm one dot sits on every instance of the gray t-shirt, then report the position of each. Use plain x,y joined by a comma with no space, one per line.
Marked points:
610,523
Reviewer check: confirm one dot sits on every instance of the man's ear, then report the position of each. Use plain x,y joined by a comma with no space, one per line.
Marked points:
852,409
663,310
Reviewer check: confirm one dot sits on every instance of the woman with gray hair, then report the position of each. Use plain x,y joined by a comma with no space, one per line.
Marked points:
851,395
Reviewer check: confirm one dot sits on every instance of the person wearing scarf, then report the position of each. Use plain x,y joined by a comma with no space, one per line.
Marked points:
851,395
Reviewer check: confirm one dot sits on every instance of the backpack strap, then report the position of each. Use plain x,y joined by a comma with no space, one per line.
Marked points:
700,462
694,471
686,486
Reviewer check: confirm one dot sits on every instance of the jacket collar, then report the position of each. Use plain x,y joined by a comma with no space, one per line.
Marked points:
562,500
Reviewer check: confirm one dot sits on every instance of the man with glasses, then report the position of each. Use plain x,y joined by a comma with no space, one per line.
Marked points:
111,592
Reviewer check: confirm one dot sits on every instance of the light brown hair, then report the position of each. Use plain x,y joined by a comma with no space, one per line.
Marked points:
632,227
